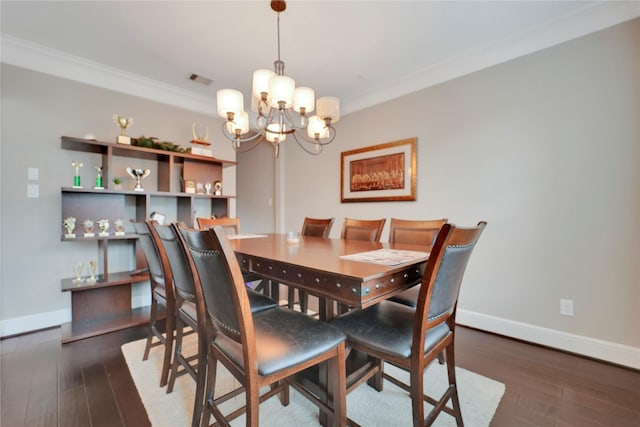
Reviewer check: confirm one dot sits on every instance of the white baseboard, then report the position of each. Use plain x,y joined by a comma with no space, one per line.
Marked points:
603,350
598,349
20,325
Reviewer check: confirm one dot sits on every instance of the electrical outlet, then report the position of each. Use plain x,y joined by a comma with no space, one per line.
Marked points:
33,191
32,174
566,307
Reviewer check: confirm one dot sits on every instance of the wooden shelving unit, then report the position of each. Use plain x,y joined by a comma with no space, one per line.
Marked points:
106,305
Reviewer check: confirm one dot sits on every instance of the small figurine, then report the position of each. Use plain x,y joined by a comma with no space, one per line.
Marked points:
103,226
118,225
91,280
88,228
69,224
78,270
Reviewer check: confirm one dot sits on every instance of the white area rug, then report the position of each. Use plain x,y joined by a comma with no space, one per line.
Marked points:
479,396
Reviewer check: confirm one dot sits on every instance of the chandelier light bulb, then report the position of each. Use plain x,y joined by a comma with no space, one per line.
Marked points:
329,107
241,123
317,129
229,101
273,133
261,80
281,89
303,100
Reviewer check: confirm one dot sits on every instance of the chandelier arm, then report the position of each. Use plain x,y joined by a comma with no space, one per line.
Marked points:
254,139
301,144
245,148
321,142
287,113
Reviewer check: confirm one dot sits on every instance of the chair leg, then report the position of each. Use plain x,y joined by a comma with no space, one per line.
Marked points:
451,373
202,372
152,322
177,351
377,381
337,386
210,388
252,396
168,347
441,358
417,393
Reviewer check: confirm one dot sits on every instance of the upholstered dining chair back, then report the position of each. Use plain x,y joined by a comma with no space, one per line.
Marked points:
231,225
161,294
415,232
176,263
362,229
443,274
151,254
222,284
317,227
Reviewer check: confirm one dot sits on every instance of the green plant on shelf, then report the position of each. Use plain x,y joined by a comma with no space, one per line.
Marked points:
152,142
117,180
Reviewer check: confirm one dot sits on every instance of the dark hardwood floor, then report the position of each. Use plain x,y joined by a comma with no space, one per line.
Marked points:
87,383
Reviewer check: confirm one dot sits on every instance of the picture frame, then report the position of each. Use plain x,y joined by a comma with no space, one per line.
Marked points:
379,173
190,186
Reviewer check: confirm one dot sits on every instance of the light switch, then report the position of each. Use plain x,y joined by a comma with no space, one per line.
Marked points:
32,174
33,191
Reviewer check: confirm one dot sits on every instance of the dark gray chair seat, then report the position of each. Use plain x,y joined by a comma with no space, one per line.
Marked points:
387,327
305,339
408,297
259,301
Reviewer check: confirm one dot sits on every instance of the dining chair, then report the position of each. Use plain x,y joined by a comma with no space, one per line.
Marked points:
362,229
415,232
161,295
317,227
313,227
232,226
411,338
188,313
262,349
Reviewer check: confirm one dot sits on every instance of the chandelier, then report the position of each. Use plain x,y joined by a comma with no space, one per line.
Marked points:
282,110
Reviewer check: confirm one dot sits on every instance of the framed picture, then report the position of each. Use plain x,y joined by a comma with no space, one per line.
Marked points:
380,173
189,186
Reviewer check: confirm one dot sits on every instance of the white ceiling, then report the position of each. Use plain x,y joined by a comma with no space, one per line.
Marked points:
364,52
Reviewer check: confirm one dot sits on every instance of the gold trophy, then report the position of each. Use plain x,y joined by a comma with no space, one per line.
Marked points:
124,123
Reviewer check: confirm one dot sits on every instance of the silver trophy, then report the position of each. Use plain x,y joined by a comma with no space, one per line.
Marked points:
138,174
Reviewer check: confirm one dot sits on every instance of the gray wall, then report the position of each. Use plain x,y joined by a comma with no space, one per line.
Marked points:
546,148
36,110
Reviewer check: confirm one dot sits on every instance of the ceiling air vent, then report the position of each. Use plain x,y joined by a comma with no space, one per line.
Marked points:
200,79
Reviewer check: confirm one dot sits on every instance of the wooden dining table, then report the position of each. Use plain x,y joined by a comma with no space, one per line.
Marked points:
315,265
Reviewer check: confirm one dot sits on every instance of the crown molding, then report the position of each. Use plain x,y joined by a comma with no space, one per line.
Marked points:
589,19
32,56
